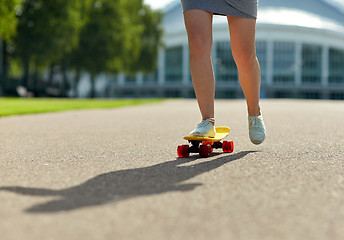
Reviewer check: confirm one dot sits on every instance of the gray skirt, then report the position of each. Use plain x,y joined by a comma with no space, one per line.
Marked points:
237,8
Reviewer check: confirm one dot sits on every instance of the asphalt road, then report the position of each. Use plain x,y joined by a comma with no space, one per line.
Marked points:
114,174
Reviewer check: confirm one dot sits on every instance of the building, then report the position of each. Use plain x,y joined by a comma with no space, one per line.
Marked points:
300,46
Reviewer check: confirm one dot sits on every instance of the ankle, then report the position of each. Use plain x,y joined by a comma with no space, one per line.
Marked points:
211,120
254,112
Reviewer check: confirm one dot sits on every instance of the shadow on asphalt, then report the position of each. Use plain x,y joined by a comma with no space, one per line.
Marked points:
125,184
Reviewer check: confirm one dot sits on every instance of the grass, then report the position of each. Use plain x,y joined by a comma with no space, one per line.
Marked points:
20,106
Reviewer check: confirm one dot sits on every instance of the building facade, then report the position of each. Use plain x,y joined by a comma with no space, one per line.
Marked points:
299,44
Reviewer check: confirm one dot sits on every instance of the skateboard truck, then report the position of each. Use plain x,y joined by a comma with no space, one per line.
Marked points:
195,145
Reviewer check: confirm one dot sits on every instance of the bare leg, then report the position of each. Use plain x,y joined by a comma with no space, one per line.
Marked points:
242,33
198,25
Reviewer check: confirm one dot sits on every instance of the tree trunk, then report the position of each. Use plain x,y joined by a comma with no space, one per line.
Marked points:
5,66
65,84
76,83
51,75
2,80
26,76
35,80
93,86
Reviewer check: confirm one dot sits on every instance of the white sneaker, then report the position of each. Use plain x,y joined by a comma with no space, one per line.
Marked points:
204,129
256,129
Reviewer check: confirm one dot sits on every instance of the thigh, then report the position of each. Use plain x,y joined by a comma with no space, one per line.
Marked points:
242,34
198,24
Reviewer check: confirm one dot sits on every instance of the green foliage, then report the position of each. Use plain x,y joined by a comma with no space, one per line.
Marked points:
8,18
103,38
47,30
118,35
150,40
105,35
95,36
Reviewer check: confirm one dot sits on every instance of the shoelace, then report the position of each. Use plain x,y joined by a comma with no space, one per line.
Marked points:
205,122
254,123
202,124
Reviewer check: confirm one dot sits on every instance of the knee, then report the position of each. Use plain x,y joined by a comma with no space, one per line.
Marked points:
199,43
244,57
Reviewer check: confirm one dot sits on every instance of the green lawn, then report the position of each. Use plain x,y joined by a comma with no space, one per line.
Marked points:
18,106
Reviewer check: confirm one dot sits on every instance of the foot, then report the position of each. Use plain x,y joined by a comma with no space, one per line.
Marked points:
256,129
204,129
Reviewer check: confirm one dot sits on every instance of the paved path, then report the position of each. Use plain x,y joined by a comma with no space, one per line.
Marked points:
113,174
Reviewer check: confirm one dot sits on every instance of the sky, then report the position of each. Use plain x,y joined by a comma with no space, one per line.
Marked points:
155,4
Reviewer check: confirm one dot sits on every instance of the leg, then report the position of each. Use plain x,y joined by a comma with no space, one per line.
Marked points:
242,34
198,25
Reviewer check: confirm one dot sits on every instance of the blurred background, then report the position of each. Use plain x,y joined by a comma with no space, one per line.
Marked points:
139,49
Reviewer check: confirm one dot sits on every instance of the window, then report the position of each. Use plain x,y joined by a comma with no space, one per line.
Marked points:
128,93
337,95
173,93
284,62
336,66
225,94
174,64
113,79
191,94
311,95
226,70
283,94
261,49
149,93
130,80
150,78
311,63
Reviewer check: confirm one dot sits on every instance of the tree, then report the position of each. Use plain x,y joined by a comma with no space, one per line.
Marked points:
47,30
119,35
150,40
107,41
7,18
94,36
8,23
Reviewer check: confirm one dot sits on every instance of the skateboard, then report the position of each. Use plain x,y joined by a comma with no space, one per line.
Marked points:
205,145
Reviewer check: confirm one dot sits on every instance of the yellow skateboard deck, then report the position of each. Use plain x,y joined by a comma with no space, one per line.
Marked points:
221,133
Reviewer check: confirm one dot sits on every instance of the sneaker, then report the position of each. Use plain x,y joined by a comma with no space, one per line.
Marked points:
204,129
256,129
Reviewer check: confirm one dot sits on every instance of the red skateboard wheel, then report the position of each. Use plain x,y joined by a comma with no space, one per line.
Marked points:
205,151
227,147
182,151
